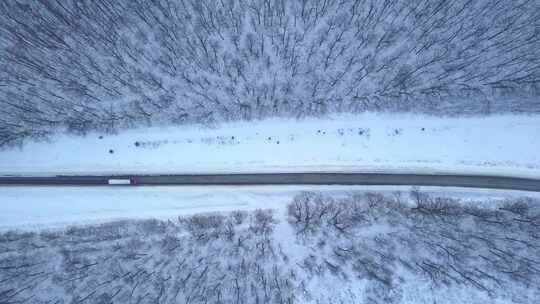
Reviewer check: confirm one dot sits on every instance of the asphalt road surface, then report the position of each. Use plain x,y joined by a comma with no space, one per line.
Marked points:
472,181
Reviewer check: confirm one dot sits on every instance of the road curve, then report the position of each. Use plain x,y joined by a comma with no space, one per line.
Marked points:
472,181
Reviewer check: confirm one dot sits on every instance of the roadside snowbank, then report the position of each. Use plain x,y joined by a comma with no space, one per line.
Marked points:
505,145
31,208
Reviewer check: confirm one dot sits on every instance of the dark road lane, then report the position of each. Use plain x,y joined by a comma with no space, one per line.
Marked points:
472,181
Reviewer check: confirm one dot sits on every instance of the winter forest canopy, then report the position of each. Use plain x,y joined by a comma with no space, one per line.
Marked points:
112,64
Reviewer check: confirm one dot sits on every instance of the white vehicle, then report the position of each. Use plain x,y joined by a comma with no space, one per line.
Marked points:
120,181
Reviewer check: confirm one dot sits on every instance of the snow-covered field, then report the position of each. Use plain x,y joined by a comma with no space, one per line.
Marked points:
506,145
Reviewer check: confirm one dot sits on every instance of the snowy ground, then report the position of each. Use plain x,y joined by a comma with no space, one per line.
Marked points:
332,247
494,145
31,208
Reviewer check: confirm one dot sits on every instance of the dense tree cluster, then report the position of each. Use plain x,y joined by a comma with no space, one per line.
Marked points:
201,259
110,64
393,242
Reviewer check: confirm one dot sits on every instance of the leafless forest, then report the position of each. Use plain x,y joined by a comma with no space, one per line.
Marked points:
381,243
111,64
